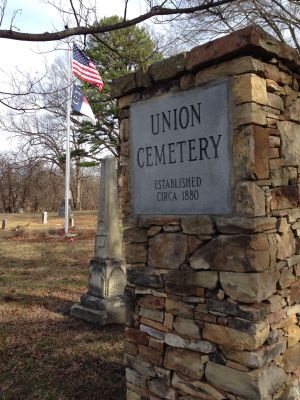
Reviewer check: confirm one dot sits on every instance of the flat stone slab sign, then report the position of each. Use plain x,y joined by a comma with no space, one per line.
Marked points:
181,152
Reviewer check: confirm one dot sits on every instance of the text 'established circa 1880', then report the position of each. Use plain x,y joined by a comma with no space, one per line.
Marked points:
181,152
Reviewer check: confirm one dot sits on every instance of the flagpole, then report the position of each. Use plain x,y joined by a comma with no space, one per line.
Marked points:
68,157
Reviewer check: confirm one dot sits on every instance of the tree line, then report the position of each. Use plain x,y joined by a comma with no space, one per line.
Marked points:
34,187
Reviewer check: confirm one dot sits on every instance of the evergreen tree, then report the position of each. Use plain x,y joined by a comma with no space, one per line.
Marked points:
115,53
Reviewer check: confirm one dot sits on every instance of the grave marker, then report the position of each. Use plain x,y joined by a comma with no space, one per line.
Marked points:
104,301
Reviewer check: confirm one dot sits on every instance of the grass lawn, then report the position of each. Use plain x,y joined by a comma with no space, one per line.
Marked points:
44,353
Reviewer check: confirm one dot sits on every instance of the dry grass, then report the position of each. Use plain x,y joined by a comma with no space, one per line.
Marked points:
44,353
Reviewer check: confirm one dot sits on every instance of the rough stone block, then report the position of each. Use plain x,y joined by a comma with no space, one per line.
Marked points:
159,388
155,315
136,336
203,346
184,289
126,101
290,148
148,277
293,111
238,253
245,224
186,327
179,308
159,326
233,338
229,68
249,113
135,253
150,355
135,235
249,287
189,363
133,377
124,130
154,333
153,302
206,279
195,388
198,225
291,358
249,87
142,367
123,85
167,250
256,385
258,358
253,312
285,197
293,334
251,153
168,68
242,41
249,200
132,395
221,306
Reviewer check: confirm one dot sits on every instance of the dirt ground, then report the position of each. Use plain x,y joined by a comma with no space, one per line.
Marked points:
44,353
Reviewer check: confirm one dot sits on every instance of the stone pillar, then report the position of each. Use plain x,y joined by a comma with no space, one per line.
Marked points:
104,301
108,242
214,287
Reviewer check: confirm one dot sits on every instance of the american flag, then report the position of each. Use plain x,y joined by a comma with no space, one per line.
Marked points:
84,68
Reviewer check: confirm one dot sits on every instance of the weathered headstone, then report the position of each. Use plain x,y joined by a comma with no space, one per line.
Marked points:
71,222
104,301
44,217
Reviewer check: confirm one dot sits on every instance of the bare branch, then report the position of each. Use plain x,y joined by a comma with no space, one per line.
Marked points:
86,30
2,11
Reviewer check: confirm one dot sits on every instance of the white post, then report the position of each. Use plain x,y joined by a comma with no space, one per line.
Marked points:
67,171
44,217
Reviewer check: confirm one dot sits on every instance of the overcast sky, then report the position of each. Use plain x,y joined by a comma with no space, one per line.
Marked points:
36,17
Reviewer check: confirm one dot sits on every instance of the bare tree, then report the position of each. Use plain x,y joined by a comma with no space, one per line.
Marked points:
37,121
281,18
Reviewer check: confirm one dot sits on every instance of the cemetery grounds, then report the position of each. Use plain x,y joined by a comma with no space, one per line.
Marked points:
44,353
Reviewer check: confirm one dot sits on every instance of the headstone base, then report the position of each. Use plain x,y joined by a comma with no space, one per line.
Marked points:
100,311
107,277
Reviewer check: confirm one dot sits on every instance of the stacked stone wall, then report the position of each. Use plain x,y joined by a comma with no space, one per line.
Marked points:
215,298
